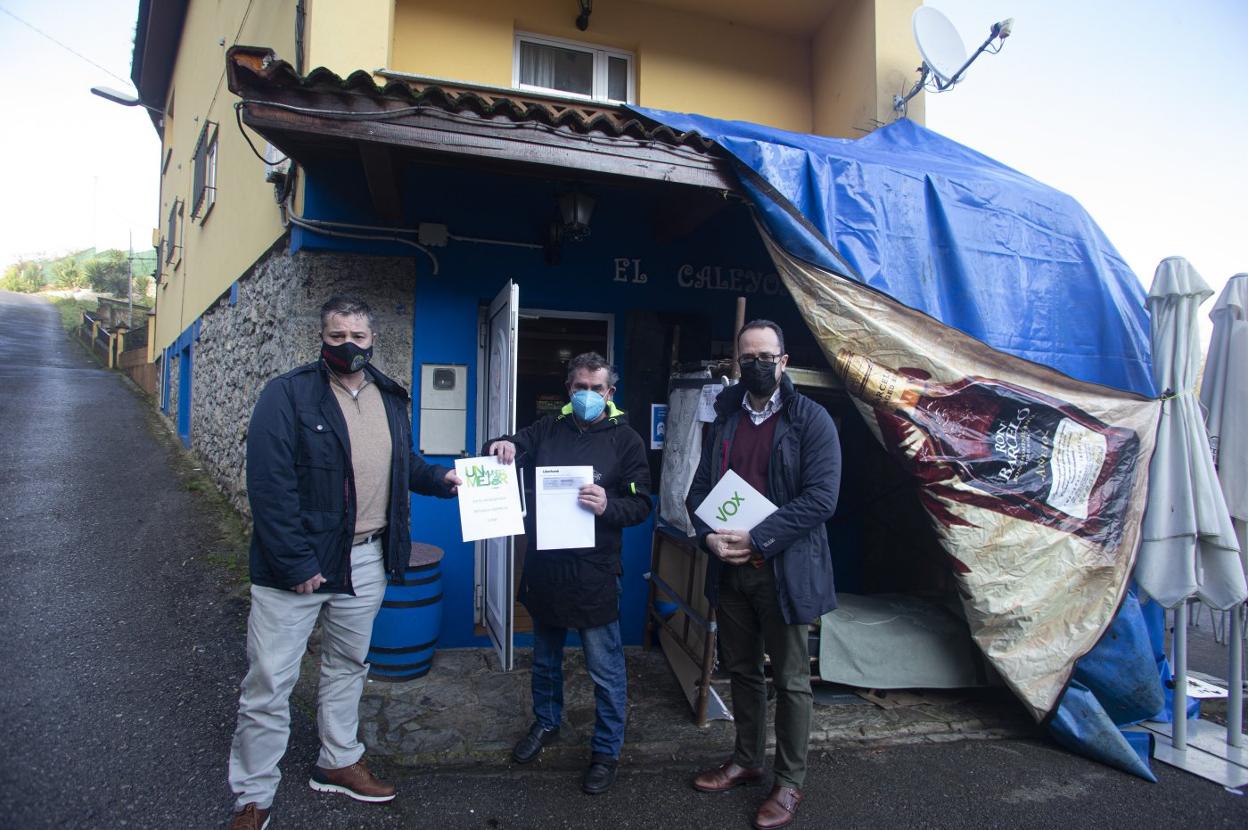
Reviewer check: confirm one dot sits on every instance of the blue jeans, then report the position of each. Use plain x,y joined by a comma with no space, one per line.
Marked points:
604,658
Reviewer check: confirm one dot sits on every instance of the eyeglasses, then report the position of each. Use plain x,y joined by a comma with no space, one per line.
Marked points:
764,358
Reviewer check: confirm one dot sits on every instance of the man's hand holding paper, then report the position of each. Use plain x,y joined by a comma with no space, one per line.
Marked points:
732,546
733,508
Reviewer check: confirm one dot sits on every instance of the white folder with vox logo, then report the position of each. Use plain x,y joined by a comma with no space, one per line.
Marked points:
733,504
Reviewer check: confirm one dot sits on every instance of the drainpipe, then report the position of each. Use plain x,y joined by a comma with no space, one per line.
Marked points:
301,14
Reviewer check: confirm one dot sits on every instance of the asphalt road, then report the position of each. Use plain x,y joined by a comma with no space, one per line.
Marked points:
123,649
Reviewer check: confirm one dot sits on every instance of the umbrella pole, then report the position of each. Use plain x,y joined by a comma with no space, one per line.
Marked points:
1235,677
1178,734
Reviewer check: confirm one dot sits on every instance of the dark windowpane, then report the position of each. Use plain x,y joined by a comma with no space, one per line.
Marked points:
617,79
552,67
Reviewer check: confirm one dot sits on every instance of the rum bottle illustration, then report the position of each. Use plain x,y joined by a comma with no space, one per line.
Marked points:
1020,452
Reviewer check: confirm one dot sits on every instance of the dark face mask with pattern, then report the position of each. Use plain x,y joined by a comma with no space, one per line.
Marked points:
759,378
346,358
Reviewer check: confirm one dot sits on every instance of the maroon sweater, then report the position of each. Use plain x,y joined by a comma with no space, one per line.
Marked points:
751,450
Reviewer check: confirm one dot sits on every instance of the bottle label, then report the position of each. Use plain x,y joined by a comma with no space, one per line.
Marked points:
1078,455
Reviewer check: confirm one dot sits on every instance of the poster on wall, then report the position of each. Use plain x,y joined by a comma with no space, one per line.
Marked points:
658,425
1034,482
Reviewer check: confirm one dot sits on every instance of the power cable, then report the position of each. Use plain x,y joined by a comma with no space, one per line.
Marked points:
69,49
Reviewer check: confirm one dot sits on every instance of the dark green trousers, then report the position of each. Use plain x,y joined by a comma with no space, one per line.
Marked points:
750,622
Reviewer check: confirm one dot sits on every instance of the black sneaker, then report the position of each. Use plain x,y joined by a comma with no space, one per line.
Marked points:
599,777
530,746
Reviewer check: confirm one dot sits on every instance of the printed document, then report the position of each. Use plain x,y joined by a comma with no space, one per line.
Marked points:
489,498
706,401
561,521
733,504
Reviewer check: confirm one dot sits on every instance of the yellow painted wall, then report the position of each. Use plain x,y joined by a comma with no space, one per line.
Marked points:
685,62
244,222
863,54
896,58
346,35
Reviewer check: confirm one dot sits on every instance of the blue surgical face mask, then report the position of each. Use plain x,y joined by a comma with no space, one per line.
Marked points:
587,405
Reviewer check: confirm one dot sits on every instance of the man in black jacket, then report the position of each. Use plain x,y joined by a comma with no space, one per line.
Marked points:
329,467
769,583
580,588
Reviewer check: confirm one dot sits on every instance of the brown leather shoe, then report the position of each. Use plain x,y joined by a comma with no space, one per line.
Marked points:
726,776
354,781
778,809
250,817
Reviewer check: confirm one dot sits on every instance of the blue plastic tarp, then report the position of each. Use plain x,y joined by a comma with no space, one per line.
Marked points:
950,232
1003,258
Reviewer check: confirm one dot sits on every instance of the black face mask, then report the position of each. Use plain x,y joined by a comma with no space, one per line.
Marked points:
759,378
346,358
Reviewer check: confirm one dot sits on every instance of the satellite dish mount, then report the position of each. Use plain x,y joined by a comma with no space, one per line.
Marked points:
944,55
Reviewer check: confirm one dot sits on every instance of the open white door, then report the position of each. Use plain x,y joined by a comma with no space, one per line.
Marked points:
495,557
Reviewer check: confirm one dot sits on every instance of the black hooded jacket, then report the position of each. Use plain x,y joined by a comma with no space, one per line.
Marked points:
579,588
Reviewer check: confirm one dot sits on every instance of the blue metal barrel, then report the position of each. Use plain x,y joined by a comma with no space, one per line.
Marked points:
407,626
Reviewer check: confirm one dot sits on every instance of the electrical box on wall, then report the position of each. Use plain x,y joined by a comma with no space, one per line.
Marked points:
443,408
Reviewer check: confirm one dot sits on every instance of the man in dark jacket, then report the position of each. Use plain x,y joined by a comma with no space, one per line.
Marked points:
769,583
329,466
580,588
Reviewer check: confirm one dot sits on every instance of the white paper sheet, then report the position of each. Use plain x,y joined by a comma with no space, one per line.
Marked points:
561,521
733,504
489,498
706,403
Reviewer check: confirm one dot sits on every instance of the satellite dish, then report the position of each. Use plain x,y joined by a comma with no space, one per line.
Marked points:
944,56
938,43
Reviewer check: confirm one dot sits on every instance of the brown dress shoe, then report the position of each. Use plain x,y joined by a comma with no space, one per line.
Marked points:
250,817
778,809
726,776
354,781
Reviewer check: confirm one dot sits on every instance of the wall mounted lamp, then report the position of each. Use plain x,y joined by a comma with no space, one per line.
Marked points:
582,20
575,208
571,222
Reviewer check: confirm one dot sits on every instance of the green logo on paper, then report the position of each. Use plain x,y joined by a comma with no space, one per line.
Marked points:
479,476
729,508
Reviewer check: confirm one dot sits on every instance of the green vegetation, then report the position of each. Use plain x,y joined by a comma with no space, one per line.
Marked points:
71,310
107,272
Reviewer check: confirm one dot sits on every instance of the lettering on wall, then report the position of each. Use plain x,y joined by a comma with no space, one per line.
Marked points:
629,270
725,278
705,277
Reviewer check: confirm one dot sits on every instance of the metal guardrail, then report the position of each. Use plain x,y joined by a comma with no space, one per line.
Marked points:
136,338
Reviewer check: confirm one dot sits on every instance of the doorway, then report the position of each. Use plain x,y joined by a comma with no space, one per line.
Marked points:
546,340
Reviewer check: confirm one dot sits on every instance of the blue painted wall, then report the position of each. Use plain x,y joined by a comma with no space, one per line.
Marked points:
587,279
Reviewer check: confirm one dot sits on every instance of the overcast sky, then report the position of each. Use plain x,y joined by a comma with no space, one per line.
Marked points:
76,170
1137,109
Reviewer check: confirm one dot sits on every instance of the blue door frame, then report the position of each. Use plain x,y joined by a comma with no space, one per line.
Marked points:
184,395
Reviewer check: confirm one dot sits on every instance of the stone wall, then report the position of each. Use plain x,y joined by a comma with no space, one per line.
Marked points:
174,374
275,327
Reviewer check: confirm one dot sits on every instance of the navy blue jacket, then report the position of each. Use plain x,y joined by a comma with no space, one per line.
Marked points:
301,484
579,588
803,480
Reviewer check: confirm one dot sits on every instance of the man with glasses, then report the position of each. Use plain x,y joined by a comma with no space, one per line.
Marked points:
769,583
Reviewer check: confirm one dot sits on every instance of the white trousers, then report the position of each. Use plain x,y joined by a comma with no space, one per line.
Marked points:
277,635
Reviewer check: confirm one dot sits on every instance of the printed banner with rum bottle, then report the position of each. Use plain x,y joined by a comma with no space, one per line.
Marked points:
1035,482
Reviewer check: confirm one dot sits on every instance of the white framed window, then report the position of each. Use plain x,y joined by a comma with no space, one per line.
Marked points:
204,180
580,70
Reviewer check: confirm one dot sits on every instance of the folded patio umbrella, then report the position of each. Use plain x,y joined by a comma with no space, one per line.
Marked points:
1224,394
1189,547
